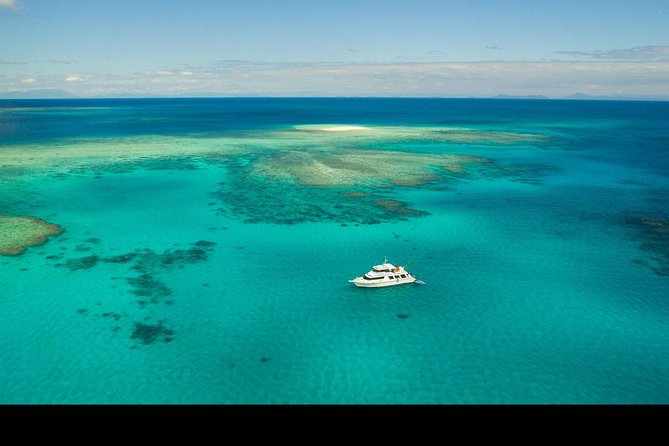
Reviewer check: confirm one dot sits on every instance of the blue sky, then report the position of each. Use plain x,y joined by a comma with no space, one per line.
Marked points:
330,48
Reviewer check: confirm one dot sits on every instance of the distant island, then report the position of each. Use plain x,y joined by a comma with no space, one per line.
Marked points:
589,97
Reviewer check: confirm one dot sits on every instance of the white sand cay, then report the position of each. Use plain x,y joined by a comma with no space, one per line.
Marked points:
332,127
344,128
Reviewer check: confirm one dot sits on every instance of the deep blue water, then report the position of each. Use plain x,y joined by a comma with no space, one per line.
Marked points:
208,244
122,117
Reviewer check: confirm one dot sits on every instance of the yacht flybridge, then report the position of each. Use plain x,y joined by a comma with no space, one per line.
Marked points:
383,275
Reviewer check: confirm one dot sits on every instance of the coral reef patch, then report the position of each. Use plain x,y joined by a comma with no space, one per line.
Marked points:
87,262
19,233
149,288
349,186
654,239
149,334
148,264
297,174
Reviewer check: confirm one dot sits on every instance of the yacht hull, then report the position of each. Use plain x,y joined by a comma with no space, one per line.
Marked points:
362,283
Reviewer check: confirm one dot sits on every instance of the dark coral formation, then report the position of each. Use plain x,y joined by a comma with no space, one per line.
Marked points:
123,258
168,163
654,237
349,187
148,163
398,207
254,199
149,264
283,203
82,262
112,315
204,244
525,173
151,261
149,334
147,287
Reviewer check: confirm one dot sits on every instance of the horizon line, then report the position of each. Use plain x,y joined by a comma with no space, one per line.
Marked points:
130,96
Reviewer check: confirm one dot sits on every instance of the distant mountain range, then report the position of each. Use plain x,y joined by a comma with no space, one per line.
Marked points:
589,97
586,97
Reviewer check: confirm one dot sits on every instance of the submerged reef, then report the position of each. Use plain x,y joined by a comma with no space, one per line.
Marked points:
439,134
654,237
347,186
146,163
124,154
283,203
146,285
152,261
87,262
297,174
149,288
148,264
380,168
349,173
149,334
19,233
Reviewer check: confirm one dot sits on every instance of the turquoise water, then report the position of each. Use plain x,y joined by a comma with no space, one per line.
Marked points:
208,245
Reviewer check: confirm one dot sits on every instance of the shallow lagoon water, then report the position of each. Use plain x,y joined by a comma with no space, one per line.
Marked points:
207,246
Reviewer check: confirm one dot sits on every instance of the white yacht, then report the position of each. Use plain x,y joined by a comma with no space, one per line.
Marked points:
385,274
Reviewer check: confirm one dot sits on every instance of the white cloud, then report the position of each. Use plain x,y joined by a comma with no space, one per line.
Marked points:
11,62
649,52
159,73
29,80
410,79
61,61
9,4
450,79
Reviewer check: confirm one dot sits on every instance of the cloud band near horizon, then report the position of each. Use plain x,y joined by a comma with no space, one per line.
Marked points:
8,4
645,53
437,79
